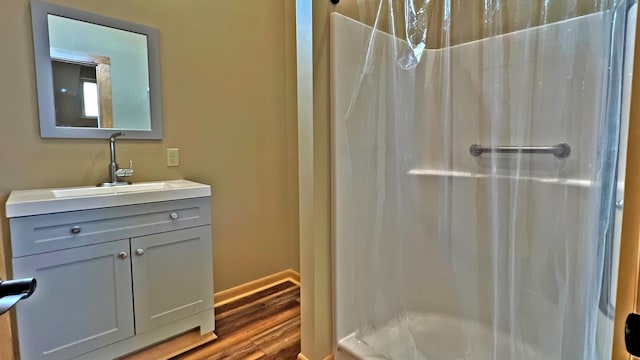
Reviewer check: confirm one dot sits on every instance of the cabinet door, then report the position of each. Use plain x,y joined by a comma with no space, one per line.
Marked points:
172,276
83,300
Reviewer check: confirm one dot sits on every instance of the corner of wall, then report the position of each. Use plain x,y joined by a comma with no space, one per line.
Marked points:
7,344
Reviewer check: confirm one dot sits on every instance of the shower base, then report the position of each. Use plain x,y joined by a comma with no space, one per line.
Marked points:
435,337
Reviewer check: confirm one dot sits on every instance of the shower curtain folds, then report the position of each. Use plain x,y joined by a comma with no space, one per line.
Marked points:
444,250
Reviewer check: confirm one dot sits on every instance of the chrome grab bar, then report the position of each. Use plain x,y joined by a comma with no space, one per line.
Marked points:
560,151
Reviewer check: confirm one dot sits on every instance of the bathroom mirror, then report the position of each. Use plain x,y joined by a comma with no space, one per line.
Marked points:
95,74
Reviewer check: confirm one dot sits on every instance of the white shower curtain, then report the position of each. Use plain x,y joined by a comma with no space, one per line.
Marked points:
452,240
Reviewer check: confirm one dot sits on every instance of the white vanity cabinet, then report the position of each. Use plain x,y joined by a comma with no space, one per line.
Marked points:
113,280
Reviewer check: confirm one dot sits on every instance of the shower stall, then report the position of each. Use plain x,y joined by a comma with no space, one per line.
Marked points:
478,155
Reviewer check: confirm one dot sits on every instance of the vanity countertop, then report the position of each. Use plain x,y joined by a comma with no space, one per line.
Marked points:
45,201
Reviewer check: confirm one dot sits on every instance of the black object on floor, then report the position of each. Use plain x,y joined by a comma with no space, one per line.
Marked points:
12,291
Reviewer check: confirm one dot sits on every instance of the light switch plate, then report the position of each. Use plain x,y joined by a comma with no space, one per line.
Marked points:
173,157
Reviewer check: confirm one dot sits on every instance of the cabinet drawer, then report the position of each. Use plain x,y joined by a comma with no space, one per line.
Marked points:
44,233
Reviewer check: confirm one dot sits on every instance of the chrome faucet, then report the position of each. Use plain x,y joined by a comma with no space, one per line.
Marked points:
114,173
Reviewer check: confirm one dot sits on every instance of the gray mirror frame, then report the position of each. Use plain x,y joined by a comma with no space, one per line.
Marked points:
44,77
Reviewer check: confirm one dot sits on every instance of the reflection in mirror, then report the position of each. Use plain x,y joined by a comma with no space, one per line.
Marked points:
100,76
95,74
82,91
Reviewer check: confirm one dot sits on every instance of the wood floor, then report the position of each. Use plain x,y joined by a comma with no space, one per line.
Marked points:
264,325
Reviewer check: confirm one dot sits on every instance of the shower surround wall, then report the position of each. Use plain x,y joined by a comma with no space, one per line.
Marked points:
540,86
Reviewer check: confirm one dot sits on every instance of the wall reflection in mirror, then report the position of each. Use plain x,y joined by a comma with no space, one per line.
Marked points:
100,75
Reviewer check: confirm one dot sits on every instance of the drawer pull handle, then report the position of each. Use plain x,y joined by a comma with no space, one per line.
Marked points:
123,255
75,230
174,215
139,252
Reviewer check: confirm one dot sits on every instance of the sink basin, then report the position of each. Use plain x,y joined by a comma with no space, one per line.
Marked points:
112,190
45,201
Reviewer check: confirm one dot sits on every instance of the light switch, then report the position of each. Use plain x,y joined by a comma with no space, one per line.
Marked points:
173,157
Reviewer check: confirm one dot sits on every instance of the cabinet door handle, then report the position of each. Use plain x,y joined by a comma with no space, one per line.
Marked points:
139,252
174,215
75,230
123,255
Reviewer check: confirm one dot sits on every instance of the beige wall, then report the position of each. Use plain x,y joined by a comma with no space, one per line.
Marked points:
228,87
